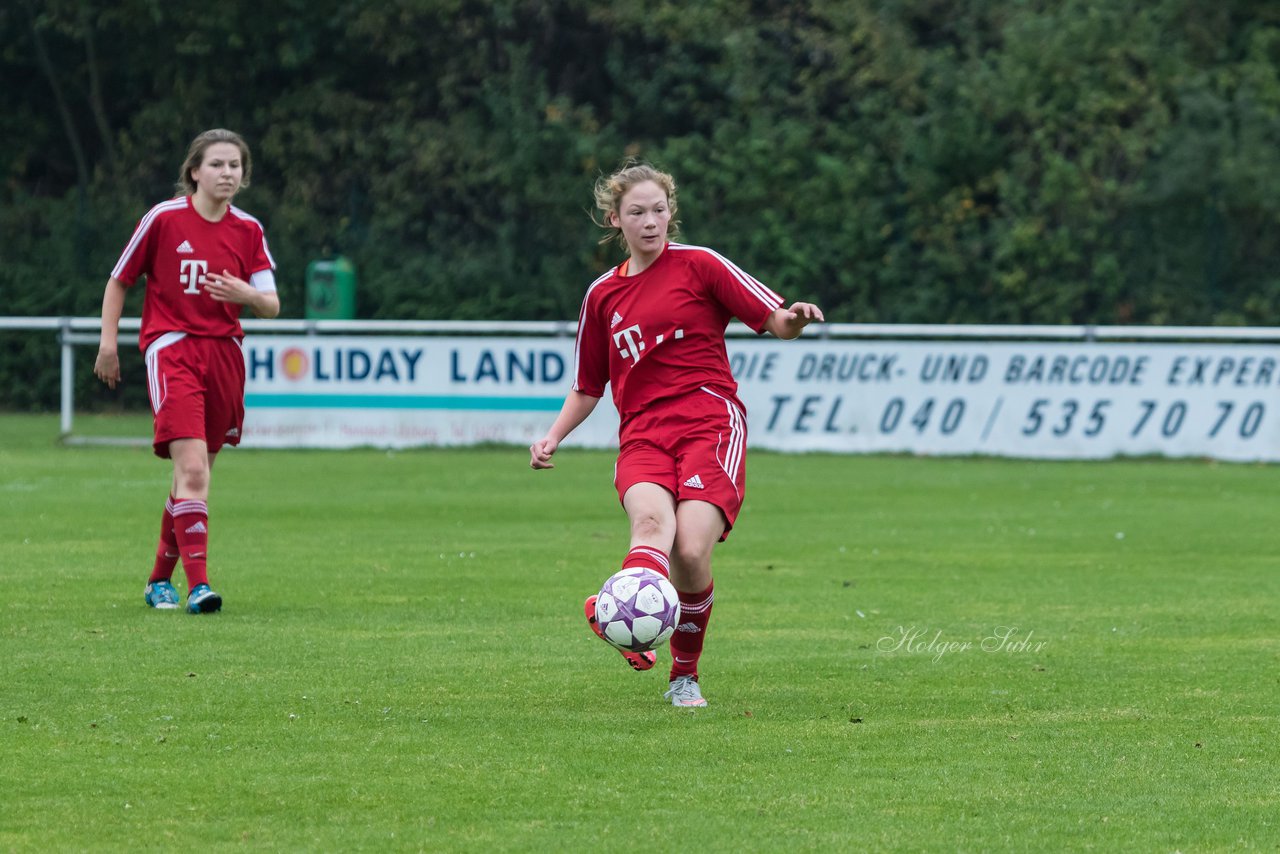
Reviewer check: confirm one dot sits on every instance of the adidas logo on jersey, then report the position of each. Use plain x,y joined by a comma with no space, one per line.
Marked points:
184,248
617,318
694,482
198,528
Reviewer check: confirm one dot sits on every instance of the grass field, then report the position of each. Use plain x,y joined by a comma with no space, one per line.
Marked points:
401,663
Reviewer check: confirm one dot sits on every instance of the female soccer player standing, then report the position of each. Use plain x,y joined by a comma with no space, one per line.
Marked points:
203,260
654,328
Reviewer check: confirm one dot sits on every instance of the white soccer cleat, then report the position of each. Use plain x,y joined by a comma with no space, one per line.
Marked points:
684,692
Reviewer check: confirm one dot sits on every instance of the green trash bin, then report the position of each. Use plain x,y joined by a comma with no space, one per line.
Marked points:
331,290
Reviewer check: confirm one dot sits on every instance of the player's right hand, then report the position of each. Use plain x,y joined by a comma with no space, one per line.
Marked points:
540,453
107,367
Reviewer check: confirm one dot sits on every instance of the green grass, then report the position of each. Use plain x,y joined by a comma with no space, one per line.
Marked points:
402,665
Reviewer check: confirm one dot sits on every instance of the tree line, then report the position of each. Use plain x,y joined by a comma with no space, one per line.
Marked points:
940,161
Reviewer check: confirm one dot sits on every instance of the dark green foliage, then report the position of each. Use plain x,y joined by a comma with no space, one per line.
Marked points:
899,161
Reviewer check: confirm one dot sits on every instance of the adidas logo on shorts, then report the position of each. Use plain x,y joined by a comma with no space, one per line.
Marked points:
694,482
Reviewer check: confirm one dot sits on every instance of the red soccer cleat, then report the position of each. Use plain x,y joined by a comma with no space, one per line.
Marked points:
637,660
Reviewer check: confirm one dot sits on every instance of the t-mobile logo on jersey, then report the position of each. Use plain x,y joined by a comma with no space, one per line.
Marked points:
630,342
192,273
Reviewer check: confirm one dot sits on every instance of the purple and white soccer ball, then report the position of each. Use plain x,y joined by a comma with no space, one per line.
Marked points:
637,609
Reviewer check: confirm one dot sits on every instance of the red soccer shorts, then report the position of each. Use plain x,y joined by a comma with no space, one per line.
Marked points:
694,447
197,390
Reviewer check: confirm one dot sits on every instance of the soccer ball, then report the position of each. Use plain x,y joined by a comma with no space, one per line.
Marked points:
637,609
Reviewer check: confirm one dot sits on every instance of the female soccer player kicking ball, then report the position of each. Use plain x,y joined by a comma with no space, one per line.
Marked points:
654,329
203,260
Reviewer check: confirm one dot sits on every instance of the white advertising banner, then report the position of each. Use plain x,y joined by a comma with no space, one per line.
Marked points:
1021,399
348,391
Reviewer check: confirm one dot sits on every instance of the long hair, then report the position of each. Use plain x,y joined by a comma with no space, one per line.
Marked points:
610,189
195,157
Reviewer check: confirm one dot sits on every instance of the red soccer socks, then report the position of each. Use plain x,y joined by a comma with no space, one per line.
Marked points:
167,548
686,643
191,530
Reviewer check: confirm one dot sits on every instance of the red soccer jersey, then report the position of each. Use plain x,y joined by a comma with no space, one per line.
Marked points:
660,333
175,247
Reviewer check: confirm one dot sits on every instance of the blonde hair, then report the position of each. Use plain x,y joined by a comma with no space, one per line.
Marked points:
195,157
610,190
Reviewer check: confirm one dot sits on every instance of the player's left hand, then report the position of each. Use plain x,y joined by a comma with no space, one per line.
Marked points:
225,287
787,323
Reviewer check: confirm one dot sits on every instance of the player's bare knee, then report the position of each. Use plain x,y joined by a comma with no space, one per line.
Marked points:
692,557
191,479
650,527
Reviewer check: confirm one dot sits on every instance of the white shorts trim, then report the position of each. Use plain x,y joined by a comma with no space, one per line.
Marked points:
157,387
736,446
